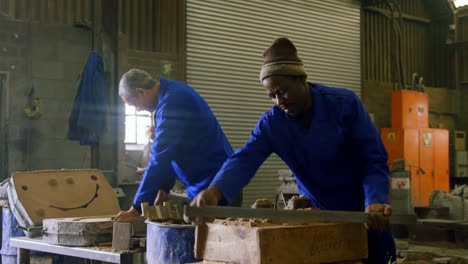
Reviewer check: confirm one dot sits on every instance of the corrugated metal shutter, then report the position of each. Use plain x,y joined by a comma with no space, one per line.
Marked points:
225,42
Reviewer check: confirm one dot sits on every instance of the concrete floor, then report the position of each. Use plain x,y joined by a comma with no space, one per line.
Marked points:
429,253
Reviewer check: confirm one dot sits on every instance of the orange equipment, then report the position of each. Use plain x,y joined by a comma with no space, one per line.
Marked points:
424,150
409,109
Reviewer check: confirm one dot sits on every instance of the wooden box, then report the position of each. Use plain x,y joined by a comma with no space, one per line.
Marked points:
274,243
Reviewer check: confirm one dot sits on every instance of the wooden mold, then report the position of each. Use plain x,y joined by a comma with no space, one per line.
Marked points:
241,242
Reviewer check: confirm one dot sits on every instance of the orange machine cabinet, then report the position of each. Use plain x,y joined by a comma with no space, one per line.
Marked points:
410,109
434,160
425,152
426,165
403,144
441,159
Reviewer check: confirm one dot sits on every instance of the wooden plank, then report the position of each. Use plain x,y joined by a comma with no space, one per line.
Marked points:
332,244
201,237
313,243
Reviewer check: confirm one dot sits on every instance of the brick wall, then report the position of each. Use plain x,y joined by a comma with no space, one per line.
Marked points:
14,61
50,58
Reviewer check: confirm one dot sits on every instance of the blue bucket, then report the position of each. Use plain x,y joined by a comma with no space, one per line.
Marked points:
9,259
170,243
9,229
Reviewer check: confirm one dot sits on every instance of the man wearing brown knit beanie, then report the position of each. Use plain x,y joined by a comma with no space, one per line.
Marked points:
326,138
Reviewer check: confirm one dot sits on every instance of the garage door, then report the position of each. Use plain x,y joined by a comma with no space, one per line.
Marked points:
225,42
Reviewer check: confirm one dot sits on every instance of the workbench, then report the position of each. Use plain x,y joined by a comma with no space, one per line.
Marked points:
25,245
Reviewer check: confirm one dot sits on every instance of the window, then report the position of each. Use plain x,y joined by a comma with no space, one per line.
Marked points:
136,125
459,3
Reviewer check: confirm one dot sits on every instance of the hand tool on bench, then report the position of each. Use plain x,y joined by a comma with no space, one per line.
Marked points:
291,215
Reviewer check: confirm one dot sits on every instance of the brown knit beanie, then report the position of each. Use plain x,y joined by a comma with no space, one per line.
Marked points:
281,59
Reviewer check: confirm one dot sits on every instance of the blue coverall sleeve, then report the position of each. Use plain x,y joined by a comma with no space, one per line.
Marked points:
241,166
172,120
371,155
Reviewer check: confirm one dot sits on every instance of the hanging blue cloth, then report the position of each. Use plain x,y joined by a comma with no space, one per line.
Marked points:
89,111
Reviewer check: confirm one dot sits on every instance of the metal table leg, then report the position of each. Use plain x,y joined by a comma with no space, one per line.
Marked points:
23,256
126,258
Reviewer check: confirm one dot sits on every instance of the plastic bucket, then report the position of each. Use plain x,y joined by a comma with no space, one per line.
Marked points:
9,229
170,243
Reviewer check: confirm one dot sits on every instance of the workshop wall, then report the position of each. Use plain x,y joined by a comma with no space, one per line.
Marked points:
442,104
150,25
434,46
49,58
14,60
424,34
461,51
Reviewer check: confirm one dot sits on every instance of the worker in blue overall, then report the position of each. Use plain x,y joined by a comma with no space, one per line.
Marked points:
326,138
189,142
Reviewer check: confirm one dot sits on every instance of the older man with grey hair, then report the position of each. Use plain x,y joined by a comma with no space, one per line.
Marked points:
189,142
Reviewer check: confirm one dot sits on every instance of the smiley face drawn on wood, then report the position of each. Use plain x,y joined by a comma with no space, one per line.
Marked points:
64,193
